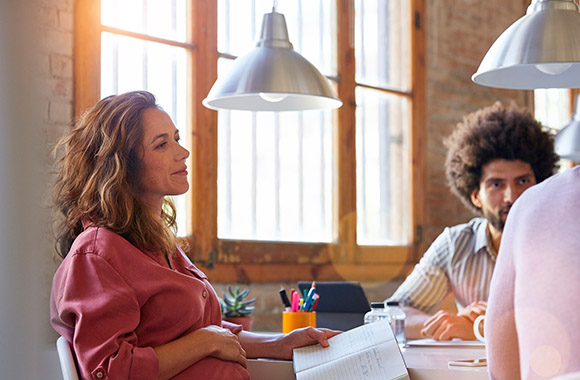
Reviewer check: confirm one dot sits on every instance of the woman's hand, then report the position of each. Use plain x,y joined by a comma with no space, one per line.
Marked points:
304,337
280,346
225,344
181,353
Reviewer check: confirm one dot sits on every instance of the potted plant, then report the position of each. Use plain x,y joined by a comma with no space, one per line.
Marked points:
235,307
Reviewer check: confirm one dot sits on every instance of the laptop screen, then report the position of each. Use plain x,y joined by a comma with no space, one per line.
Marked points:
341,306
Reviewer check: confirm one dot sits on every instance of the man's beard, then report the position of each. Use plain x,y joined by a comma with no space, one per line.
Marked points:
495,219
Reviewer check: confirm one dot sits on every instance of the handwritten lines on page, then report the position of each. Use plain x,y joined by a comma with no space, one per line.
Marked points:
366,352
343,344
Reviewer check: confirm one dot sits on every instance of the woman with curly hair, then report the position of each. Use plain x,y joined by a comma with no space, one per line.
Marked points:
125,296
494,155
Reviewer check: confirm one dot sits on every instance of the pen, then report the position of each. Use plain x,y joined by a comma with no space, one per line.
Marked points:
285,299
311,293
314,302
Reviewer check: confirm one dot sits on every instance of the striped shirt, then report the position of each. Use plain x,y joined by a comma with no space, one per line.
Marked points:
459,261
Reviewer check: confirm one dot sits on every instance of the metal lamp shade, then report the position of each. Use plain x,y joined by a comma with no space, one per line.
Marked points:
540,50
567,141
272,77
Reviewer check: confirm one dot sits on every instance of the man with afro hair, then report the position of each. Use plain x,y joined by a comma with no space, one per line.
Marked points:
493,156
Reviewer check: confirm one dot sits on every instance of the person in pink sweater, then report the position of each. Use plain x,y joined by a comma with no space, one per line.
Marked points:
532,327
126,296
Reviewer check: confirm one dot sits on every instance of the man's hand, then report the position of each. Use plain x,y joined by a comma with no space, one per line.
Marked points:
473,310
444,325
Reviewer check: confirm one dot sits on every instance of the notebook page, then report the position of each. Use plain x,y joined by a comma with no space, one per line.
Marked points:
344,344
382,362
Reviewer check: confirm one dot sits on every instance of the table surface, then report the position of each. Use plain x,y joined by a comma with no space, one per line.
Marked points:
423,363
432,362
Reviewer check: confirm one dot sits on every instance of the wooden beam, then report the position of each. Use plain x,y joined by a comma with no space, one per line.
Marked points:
87,54
204,130
344,135
418,125
244,273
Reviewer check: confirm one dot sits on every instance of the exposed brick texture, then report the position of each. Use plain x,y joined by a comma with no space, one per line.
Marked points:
57,65
459,33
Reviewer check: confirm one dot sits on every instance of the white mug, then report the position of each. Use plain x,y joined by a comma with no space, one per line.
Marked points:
476,324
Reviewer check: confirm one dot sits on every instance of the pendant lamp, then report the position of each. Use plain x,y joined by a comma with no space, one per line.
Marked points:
272,77
567,141
540,50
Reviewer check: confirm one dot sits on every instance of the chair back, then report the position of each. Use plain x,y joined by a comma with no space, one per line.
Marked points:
66,358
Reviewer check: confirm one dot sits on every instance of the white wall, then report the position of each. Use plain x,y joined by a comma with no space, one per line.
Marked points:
24,353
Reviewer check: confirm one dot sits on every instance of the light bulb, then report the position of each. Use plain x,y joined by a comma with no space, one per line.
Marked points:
553,68
272,97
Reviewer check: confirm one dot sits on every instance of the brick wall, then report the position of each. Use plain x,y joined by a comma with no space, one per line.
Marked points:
459,32
57,64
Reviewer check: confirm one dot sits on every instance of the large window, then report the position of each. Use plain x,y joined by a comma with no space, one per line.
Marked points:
279,196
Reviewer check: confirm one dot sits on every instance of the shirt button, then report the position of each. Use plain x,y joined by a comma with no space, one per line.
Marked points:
99,375
204,294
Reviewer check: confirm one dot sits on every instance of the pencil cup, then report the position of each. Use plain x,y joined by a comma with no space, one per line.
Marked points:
292,321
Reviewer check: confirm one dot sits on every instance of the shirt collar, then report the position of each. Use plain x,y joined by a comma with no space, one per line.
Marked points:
483,241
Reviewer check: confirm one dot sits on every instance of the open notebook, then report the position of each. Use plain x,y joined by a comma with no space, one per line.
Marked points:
342,304
368,352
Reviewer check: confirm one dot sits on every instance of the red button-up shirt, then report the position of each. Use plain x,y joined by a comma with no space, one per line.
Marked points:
115,303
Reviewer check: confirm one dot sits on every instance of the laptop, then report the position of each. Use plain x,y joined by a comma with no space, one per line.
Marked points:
342,304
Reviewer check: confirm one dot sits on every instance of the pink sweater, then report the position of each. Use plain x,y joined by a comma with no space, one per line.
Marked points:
115,303
533,317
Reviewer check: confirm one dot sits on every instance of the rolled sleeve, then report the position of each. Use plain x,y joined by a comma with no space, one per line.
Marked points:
428,284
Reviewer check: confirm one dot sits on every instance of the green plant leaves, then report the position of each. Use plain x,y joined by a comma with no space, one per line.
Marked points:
233,303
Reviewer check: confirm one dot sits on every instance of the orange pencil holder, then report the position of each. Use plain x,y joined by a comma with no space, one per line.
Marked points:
292,321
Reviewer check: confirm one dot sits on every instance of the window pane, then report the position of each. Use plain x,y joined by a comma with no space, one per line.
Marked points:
310,28
159,18
383,57
552,107
382,168
275,175
129,64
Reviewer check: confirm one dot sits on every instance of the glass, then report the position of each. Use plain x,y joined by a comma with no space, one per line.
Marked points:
159,18
552,107
382,41
382,167
275,175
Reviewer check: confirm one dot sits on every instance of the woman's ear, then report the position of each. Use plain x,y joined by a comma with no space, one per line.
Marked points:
475,198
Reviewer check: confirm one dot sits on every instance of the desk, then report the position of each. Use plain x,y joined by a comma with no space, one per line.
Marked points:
431,363
423,363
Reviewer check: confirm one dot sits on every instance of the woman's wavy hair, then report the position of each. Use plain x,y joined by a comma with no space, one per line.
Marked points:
496,132
98,177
